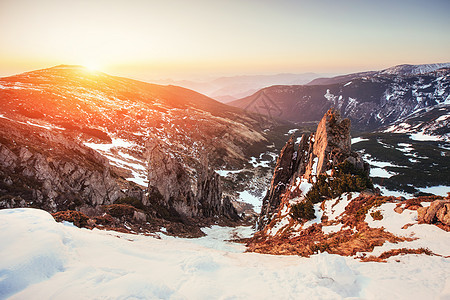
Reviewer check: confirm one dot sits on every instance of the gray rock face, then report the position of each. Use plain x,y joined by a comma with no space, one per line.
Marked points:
191,192
55,172
316,154
51,172
280,180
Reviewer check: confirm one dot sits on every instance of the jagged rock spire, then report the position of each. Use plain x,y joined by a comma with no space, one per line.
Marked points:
316,154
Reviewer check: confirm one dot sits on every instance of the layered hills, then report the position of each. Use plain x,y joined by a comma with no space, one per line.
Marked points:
73,139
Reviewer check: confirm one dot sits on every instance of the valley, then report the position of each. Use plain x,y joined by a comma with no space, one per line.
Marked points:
163,167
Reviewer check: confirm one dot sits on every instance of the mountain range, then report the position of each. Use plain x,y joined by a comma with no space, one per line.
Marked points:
370,100
78,140
226,89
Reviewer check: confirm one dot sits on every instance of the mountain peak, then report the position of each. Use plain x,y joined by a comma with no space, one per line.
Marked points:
407,69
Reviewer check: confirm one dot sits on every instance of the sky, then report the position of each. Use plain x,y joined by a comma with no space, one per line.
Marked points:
181,39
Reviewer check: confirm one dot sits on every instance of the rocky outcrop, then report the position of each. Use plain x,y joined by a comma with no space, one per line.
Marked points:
281,177
316,154
191,192
51,171
328,204
438,211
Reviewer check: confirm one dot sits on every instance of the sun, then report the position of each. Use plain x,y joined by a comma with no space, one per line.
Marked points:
92,66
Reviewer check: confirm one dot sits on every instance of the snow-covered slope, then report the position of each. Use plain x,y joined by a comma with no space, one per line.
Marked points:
42,259
427,124
414,69
400,70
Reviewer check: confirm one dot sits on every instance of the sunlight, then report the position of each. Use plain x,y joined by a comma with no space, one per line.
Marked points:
92,66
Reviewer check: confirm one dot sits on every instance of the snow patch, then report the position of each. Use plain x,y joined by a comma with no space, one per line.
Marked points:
381,173
318,216
336,206
421,136
332,228
224,173
246,197
386,192
358,139
440,190
431,237
292,131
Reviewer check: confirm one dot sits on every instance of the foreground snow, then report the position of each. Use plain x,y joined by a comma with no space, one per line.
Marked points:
42,259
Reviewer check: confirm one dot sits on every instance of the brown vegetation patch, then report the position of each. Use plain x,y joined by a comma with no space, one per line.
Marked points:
443,226
357,209
77,218
394,252
120,210
376,215
415,203
312,240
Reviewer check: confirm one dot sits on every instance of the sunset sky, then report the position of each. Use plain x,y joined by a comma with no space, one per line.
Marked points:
148,39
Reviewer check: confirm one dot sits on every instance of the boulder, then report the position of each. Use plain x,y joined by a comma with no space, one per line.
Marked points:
438,211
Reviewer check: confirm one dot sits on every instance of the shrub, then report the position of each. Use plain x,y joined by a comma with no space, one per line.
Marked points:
120,210
130,201
77,218
303,211
376,215
347,179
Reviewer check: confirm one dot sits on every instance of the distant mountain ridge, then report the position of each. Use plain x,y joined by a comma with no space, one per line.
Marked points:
369,99
230,88
402,70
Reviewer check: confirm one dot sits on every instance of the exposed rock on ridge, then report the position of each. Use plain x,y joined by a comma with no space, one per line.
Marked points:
328,204
191,192
51,171
316,154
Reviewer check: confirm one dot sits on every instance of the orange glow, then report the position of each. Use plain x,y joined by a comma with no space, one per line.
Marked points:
159,39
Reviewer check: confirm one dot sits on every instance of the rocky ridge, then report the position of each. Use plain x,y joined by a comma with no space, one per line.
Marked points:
321,199
316,154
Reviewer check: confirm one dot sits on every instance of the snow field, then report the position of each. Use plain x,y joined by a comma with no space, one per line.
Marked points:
247,197
431,237
336,206
358,139
43,259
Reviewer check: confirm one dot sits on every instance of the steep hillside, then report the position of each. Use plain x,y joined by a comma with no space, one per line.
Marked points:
369,100
74,139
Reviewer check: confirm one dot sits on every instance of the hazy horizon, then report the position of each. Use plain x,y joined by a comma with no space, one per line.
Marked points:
199,39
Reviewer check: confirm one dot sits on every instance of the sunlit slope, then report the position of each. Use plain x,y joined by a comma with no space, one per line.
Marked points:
100,106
